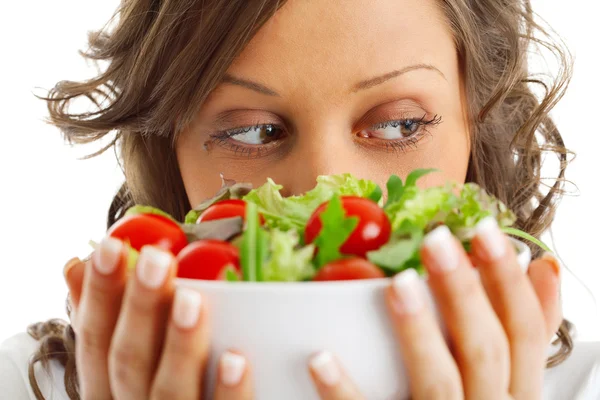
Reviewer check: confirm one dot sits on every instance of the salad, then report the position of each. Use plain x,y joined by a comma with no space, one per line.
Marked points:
342,229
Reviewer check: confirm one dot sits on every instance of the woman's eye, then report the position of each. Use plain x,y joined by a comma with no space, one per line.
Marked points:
256,135
393,129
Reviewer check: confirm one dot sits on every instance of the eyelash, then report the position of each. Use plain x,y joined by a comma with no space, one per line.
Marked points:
402,144
221,138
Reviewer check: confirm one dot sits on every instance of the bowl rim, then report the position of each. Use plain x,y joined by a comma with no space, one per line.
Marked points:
524,252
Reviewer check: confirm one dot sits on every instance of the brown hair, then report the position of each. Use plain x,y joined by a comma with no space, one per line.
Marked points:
163,59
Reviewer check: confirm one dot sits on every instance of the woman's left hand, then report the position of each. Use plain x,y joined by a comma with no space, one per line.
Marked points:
499,325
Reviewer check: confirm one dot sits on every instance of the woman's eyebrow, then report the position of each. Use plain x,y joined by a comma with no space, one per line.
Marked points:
257,87
378,80
367,84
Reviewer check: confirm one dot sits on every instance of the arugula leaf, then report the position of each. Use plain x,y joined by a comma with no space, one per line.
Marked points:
414,176
376,194
336,229
395,189
254,246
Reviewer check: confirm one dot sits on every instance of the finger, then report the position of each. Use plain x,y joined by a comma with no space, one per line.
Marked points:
73,272
234,378
544,275
185,351
331,381
432,372
140,330
99,305
517,306
479,343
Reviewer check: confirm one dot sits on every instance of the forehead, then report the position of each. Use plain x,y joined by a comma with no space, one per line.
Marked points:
331,44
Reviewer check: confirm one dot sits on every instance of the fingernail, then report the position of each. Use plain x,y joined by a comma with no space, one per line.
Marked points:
107,256
232,368
324,365
186,307
492,239
409,299
442,249
152,266
550,259
69,266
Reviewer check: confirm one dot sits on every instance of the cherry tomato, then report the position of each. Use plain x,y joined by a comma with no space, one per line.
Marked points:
349,269
226,209
372,232
207,260
149,229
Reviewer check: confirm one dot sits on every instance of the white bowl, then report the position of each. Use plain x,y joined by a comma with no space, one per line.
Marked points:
279,325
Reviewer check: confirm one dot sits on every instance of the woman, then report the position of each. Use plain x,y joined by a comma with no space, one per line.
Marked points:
292,90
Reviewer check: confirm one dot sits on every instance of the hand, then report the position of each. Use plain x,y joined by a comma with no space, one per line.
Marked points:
499,326
137,336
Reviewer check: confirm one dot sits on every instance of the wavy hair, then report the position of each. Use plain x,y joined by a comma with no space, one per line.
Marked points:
164,57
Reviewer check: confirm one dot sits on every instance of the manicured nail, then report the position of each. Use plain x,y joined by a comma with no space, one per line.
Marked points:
69,266
107,256
324,365
232,368
186,307
492,239
153,266
442,249
409,297
550,259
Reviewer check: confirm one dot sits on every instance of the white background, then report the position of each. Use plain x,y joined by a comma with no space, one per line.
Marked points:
52,203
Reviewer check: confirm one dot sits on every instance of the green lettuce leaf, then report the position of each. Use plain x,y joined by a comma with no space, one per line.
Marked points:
423,209
474,204
398,252
336,229
287,262
293,212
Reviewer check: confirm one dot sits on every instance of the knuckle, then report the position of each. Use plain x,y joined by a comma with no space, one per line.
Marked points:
165,391
488,355
91,340
532,333
441,389
126,364
470,289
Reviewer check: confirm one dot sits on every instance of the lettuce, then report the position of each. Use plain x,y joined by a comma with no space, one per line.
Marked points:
293,212
413,212
287,262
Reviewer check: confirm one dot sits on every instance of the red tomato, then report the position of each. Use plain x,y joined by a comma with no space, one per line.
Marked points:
349,269
372,232
226,209
149,229
207,260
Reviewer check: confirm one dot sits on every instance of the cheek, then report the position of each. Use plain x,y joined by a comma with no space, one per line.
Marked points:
200,180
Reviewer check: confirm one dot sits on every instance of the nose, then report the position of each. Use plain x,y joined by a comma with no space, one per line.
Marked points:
329,154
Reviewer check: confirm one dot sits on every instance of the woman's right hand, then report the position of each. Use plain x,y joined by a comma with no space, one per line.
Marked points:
139,337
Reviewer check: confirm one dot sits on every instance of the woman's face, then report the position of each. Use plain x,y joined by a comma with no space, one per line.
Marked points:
367,87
